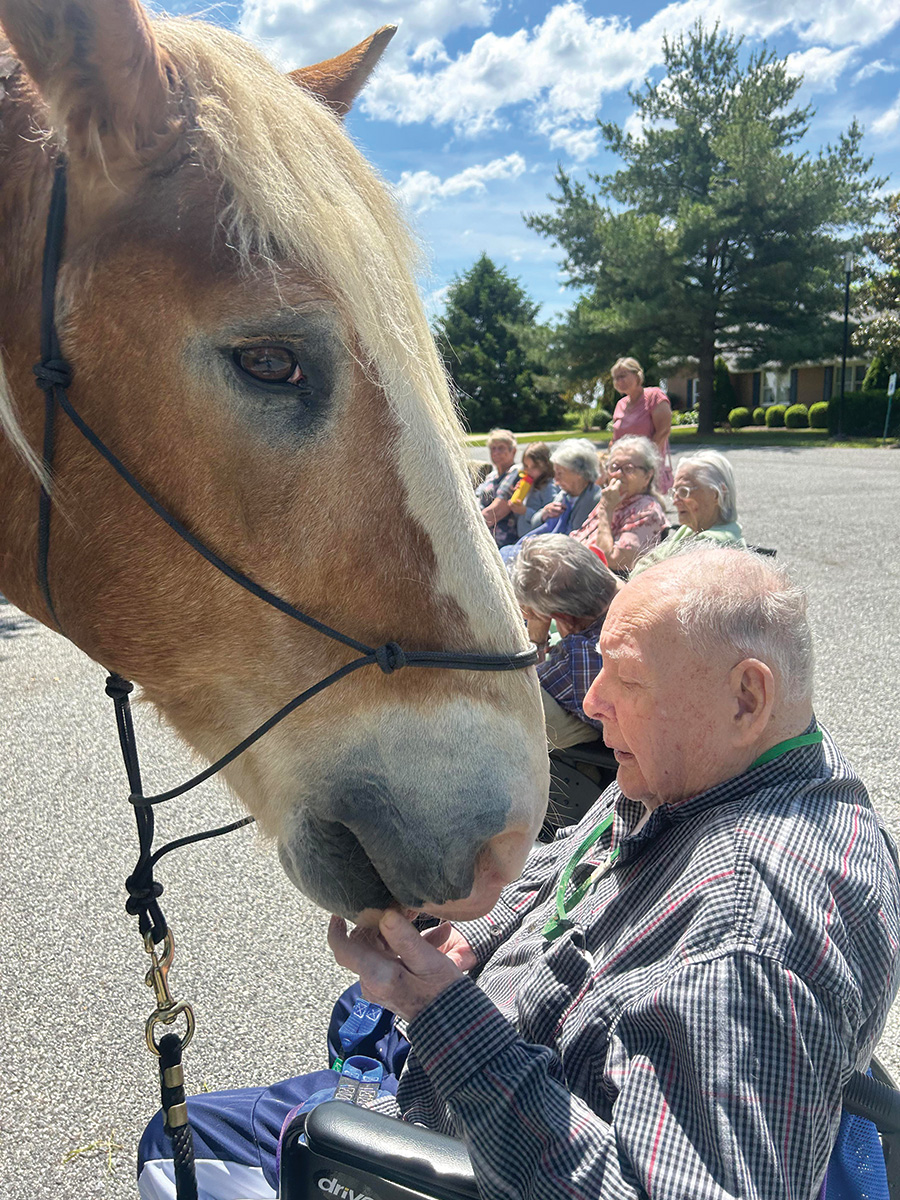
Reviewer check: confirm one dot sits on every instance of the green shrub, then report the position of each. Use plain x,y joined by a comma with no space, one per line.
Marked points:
739,418
818,415
759,416
775,416
602,418
688,417
797,417
863,414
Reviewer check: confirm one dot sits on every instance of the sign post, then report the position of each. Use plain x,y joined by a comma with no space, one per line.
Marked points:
891,388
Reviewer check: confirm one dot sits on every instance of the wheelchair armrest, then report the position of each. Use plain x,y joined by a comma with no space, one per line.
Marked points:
354,1148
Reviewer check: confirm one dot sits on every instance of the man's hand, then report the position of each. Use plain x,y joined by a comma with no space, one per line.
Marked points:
397,966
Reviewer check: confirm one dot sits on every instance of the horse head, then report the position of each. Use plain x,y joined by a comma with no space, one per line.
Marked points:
237,304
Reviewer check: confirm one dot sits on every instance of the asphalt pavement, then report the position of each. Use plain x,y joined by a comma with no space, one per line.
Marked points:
79,1083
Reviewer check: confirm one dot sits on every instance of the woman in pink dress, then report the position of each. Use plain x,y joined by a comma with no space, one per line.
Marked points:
643,412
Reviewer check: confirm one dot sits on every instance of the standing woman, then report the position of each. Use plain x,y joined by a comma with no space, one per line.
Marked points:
644,412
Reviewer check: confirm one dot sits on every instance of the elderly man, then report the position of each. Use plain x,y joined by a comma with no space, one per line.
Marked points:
671,999
556,578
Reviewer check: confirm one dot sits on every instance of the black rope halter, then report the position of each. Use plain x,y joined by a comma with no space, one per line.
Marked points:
54,376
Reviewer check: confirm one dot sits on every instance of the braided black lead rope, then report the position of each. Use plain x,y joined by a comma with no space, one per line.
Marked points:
175,1115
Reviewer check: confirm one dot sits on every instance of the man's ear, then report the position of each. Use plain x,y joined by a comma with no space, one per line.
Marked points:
753,688
338,81
98,67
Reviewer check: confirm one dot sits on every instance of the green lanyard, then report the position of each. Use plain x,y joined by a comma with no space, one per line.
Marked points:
560,923
776,751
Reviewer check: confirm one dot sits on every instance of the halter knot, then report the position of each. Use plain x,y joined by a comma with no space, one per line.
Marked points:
55,372
141,896
118,688
390,657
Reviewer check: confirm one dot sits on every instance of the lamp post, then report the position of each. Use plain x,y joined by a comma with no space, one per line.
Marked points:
848,267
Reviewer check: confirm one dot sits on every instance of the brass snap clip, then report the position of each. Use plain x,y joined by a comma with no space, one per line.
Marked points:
167,1009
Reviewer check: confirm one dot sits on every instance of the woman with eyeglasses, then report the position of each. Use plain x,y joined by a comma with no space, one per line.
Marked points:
629,518
706,502
642,412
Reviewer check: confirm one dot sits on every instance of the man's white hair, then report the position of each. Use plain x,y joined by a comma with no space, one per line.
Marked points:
738,600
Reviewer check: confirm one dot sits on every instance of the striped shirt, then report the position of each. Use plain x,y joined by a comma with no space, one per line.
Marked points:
690,1036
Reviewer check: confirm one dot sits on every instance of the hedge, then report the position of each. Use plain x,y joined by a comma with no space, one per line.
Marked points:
864,414
759,416
797,417
775,416
739,418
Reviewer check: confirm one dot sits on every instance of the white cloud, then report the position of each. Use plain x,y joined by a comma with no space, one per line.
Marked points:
888,120
820,67
421,190
878,67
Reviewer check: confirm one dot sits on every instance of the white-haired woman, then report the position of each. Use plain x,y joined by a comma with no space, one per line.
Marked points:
629,519
576,466
556,577
642,412
493,495
706,502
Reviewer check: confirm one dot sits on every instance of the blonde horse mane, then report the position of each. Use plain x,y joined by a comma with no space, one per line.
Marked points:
295,188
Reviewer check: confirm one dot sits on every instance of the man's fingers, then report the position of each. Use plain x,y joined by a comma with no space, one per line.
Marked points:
418,955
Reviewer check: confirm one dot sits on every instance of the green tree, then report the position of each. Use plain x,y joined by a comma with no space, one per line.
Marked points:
495,351
878,297
718,233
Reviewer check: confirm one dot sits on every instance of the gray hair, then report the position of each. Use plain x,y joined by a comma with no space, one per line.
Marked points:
713,470
644,450
734,599
578,455
555,574
501,437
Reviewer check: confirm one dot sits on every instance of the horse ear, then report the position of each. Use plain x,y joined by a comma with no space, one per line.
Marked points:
338,81
99,69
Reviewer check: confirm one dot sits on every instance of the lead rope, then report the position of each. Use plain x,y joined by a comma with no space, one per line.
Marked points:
54,375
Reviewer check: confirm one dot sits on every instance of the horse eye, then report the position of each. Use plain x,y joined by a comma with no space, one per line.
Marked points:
271,364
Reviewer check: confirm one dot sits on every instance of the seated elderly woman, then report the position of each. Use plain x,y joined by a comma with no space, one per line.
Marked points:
706,502
575,469
494,493
556,577
628,519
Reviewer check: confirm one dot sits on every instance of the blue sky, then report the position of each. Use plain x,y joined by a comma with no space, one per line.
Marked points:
476,101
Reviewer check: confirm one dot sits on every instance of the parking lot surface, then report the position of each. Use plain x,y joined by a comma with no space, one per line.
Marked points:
251,956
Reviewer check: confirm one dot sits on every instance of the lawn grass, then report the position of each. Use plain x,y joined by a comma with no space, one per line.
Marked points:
686,435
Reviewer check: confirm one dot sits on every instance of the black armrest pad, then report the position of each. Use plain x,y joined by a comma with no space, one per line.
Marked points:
386,1148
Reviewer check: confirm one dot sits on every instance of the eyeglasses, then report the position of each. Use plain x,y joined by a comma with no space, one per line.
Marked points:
624,468
683,491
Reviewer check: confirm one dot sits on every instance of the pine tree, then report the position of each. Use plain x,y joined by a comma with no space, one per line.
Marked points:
492,346
718,233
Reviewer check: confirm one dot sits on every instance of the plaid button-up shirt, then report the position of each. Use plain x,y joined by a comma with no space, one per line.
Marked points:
690,1036
570,668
